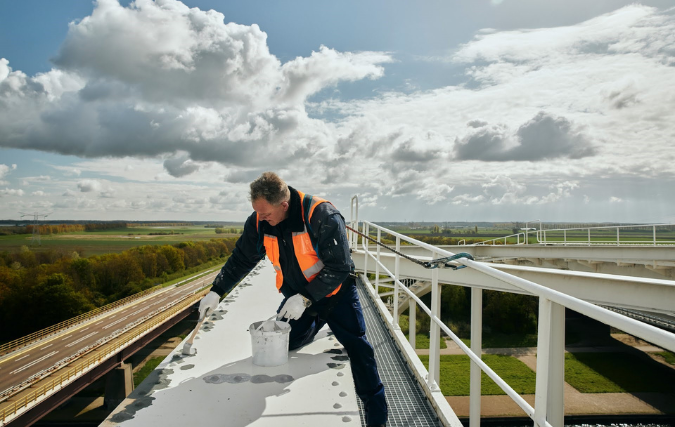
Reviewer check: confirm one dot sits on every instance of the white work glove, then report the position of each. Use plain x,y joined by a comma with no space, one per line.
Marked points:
294,307
210,301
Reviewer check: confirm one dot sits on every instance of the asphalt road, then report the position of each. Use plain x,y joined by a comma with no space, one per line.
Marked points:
17,367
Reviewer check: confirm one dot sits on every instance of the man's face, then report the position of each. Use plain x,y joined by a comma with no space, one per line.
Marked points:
273,214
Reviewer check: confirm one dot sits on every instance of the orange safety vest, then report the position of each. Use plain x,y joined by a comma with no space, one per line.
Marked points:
306,254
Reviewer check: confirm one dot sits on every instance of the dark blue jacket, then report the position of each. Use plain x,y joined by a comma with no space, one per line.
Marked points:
327,232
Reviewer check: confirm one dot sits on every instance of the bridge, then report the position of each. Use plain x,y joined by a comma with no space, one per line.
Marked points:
42,370
220,385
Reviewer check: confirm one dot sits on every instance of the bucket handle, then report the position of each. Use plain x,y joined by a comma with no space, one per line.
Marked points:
263,322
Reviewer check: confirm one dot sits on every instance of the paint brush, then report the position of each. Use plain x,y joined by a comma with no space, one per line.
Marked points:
187,347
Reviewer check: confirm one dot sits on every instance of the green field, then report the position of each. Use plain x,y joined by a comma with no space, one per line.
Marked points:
149,366
90,243
454,372
616,373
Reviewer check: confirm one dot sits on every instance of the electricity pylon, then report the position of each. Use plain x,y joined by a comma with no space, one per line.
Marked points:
36,225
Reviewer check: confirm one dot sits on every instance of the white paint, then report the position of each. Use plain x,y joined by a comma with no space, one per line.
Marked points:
33,362
310,399
81,339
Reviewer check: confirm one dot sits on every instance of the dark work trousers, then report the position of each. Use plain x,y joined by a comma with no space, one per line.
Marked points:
346,321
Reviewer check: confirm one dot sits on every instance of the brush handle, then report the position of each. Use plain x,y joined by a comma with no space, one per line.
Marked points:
199,325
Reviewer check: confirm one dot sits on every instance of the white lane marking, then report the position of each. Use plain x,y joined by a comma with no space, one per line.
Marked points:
26,366
47,346
138,311
81,339
113,316
66,337
23,357
121,319
81,330
99,322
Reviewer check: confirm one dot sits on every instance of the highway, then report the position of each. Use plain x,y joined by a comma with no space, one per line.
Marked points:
18,367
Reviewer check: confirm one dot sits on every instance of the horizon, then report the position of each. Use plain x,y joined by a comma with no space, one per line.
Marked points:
496,108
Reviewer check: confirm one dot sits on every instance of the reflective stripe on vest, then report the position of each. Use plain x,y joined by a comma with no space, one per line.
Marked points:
309,261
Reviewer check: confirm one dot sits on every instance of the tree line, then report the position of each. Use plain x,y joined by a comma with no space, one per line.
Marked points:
49,229
222,230
39,289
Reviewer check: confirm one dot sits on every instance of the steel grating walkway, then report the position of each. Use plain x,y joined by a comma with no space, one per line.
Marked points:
408,405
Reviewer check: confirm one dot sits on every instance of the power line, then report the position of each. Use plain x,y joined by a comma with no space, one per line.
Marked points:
36,225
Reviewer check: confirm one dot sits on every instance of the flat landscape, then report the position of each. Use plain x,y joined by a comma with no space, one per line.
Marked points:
89,243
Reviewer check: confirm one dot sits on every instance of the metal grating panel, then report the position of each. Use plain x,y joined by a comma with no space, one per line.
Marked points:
408,405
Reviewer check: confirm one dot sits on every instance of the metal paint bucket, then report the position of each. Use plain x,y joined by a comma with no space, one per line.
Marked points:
269,342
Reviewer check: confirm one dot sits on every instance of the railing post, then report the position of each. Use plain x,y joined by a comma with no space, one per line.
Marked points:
564,237
434,332
366,230
589,237
555,413
412,322
618,243
377,265
476,347
543,346
654,230
396,280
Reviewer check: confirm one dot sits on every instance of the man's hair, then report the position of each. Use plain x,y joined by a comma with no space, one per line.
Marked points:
271,188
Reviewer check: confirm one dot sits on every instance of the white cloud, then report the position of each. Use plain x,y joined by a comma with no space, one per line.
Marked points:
38,193
88,185
465,199
504,190
11,192
4,169
180,165
563,190
186,96
614,199
158,78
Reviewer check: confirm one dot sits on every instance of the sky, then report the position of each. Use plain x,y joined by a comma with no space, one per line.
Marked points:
488,110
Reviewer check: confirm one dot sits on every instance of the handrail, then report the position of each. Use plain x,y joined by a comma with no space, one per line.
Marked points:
505,238
546,297
10,346
111,348
544,235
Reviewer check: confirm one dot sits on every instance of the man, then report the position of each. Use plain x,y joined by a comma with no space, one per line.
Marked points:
305,239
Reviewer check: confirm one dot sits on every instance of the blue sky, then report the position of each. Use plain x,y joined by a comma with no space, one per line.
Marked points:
436,111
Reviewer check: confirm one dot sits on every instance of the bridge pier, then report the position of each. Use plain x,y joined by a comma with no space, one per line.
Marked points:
119,383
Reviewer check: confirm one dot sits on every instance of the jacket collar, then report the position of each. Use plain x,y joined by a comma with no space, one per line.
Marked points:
294,222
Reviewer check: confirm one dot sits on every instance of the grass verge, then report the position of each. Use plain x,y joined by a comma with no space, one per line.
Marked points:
454,375
149,366
668,356
616,373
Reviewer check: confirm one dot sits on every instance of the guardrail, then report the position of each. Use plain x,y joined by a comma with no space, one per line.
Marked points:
550,342
58,383
583,236
51,330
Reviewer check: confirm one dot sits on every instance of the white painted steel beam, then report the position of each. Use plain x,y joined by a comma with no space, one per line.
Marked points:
477,348
220,385
646,255
636,293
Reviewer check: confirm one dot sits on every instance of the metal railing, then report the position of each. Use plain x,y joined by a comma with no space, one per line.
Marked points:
18,343
31,399
590,236
550,338
505,239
